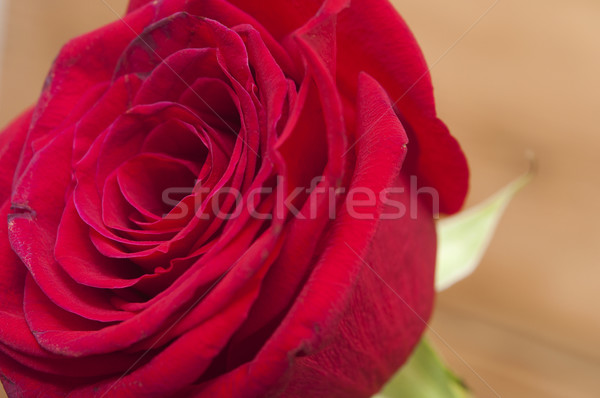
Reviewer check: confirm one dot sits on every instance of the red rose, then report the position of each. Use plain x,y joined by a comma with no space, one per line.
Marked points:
211,198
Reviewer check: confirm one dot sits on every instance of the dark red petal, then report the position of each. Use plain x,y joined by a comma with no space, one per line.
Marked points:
144,178
176,139
381,325
114,102
279,17
80,259
215,103
234,13
177,72
271,81
117,212
373,38
327,109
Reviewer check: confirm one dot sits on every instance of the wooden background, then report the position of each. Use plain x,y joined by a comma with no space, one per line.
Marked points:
524,77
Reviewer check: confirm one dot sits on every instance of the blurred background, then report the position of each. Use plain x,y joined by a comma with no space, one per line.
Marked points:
510,76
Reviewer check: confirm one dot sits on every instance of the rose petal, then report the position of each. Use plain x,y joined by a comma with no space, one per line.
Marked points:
114,102
373,38
19,381
81,64
38,199
80,259
11,144
162,39
215,102
280,18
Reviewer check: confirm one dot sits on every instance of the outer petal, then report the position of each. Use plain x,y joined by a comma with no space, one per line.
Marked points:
82,63
38,199
11,142
373,38
385,317
19,381
12,325
135,4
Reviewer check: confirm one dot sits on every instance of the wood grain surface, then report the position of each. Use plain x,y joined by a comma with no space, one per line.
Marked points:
510,77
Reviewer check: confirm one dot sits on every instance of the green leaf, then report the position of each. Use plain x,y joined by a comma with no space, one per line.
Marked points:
424,376
464,238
